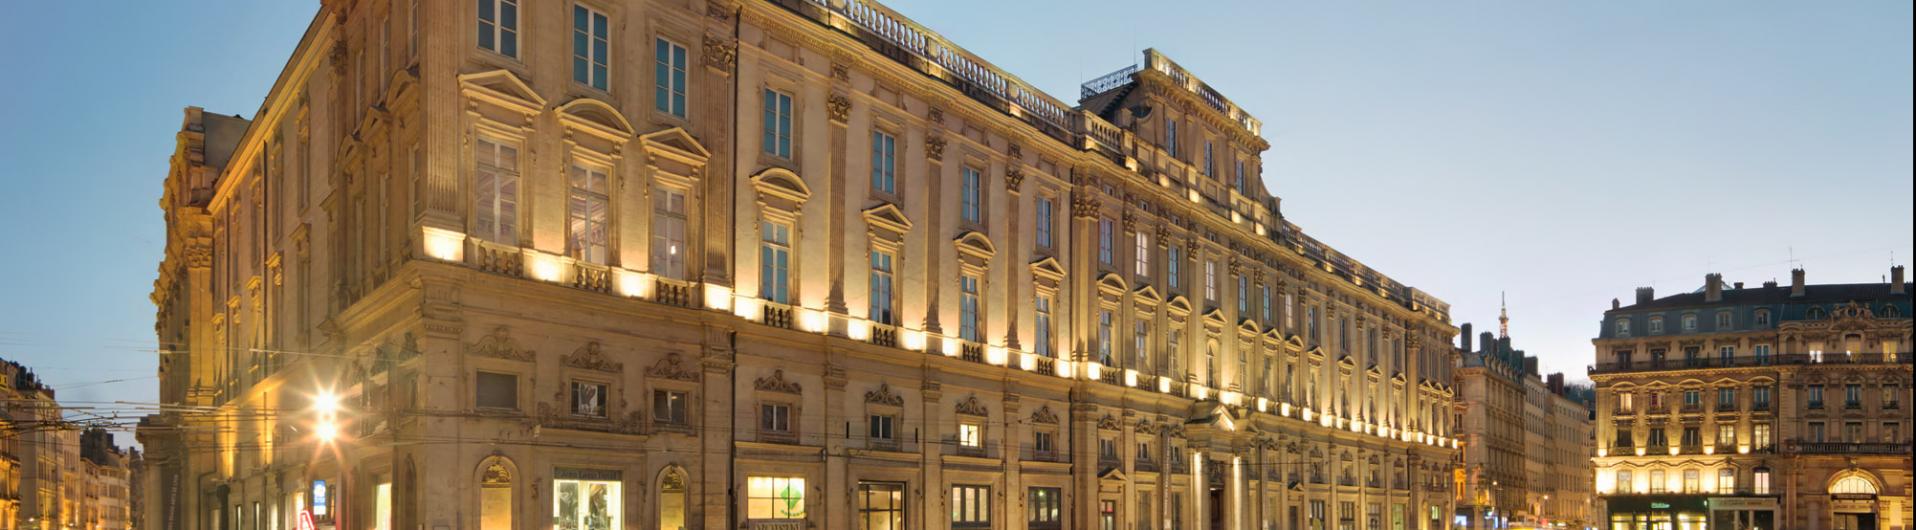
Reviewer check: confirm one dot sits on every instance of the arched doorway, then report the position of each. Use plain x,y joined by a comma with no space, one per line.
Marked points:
1853,501
672,498
496,476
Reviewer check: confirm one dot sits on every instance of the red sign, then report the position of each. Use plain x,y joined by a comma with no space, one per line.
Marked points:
306,520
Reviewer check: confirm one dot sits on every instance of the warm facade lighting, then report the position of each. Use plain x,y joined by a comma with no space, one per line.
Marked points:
634,284
718,297
444,245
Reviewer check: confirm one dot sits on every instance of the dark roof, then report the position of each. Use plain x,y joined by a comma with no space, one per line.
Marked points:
1780,294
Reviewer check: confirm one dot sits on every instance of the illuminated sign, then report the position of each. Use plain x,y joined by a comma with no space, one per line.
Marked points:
319,498
1659,506
306,520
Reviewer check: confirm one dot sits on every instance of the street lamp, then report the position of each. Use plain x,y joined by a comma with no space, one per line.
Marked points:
325,410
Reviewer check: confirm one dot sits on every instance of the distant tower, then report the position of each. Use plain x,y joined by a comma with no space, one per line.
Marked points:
1503,316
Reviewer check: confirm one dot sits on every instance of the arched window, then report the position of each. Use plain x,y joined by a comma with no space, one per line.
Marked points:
672,497
1891,311
495,494
1853,485
1762,317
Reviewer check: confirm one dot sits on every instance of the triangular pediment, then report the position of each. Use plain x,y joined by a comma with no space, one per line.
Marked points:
1397,377
1247,326
1147,293
503,88
1114,475
678,144
596,117
1346,362
1295,342
781,183
976,244
1215,317
1048,268
1374,371
889,217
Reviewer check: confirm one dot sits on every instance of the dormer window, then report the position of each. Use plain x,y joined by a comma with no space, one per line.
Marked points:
1656,326
1689,323
1762,317
1623,327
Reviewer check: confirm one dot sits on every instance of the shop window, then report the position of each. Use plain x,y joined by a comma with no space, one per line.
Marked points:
586,499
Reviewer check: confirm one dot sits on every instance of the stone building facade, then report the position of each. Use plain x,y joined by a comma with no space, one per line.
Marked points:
1778,406
53,475
763,264
1526,453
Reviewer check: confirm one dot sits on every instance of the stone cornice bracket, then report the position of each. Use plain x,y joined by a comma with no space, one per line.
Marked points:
721,10
720,54
1014,178
841,67
935,146
1083,207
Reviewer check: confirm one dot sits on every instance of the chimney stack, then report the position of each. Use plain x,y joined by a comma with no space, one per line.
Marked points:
1646,294
1555,382
1487,341
1739,286
1712,288
1896,280
1769,284
1615,304
1796,283
1466,337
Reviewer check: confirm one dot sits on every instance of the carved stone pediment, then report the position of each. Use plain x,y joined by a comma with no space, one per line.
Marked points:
592,357
884,396
1145,427
673,367
777,383
1109,423
1044,415
971,406
499,344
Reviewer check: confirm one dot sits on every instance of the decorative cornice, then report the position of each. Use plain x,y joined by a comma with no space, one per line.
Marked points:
777,383
1044,416
591,357
499,344
720,53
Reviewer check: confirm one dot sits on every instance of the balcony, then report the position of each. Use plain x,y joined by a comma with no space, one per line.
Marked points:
1842,448
1626,365
883,335
1030,453
776,315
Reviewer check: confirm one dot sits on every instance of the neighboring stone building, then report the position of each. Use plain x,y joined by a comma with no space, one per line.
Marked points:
1526,455
107,496
53,475
1767,407
765,264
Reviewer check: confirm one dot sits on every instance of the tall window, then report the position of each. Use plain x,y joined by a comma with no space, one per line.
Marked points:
773,498
777,139
881,505
970,506
418,165
1760,481
496,192
1210,281
588,399
1242,185
1725,480
1816,396
499,26
1243,296
668,77
586,214
1852,396
881,281
1104,338
1044,215
669,407
775,262
591,47
668,233
1657,484
1143,243
1043,329
884,162
1044,508
1760,398
1625,481
1171,136
968,308
1140,344
1692,481
971,195
1210,161
1174,266
586,499
1264,295
1760,435
1107,237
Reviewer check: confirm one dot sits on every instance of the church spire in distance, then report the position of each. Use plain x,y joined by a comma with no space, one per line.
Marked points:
1503,316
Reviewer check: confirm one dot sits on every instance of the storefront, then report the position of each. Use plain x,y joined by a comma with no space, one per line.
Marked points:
1661,512
1743,513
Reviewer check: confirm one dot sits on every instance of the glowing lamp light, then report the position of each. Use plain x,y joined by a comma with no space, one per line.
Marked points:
858,329
1260,229
1284,409
718,297
1709,449
913,340
1641,451
1227,397
1193,194
1131,378
1263,405
326,432
633,284
813,320
1200,392
1601,452
1307,414
326,403
325,409
952,346
543,267
995,355
1674,450
1164,385
1028,362
1742,449
748,308
1066,369
1093,370
1236,217
1326,420
442,244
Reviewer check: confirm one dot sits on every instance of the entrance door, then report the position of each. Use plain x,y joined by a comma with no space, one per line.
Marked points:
1855,521
1217,508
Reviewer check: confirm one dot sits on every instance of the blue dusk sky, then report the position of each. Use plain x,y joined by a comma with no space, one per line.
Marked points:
1560,152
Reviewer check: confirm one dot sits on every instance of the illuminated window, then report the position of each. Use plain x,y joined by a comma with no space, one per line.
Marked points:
971,434
1143,243
775,262
1044,508
586,499
1725,480
1104,338
496,191
881,505
1760,481
588,209
668,232
773,498
970,506
1853,485
668,77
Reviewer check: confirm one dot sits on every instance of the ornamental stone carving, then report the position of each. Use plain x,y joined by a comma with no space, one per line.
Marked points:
1109,423
777,383
839,108
720,54
1044,415
884,396
970,406
935,147
592,357
673,367
1014,179
500,344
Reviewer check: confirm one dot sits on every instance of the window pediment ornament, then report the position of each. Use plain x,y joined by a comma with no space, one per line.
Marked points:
1109,423
888,221
676,153
1112,285
673,367
503,89
780,189
1048,269
596,118
592,357
884,396
777,383
1044,416
975,249
1179,305
1145,427
499,344
970,406
838,107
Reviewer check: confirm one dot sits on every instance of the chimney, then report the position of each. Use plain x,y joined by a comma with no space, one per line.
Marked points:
1769,284
1739,286
1646,294
1466,337
1615,304
1555,382
1712,287
1796,283
1487,342
1530,366
1896,280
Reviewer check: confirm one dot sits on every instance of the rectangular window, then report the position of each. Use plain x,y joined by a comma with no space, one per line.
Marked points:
1143,243
1625,481
669,407
1892,432
1210,281
777,139
881,295
775,418
412,32
497,391
774,498
1108,515
1105,337
1853,432
1045,216
668,233
880,427
1725,435
1816,396
1852,396
971,434
1760,398
1726,355
881,505
1692,481
586,499
1210,160
1762,353
971,195
1657,484
587,215
1760,479
1042,330
1760,435
1243,186
668,77
1044,508
775,262
1726,399
1044,442
496,192
1264,297
588,399
499,27
1243,296
1174,266
884,163
1816,432
1107,239
970,506
1171,136
1140,344
1890,395
1725,480
968,309
591,47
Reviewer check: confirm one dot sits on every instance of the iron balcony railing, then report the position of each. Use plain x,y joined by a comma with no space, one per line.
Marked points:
1651,365
1833,448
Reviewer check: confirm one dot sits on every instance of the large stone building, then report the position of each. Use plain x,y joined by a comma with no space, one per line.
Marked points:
688,264
1526,440
53,475
1776,406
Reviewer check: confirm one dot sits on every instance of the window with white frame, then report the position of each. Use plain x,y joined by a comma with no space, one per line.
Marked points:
1723,320
884,162
971,195
668,77
499,27
587,211
775,261
1210,281
496,191
1104,337
968,310
1656,325
668,232
591,47
777,134
881,288
1042,330
1689,323
1726,480
775,418
1106,240
1045,216
1143,243
971,433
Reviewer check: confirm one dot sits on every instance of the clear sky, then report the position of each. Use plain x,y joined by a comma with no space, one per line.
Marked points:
1563,152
